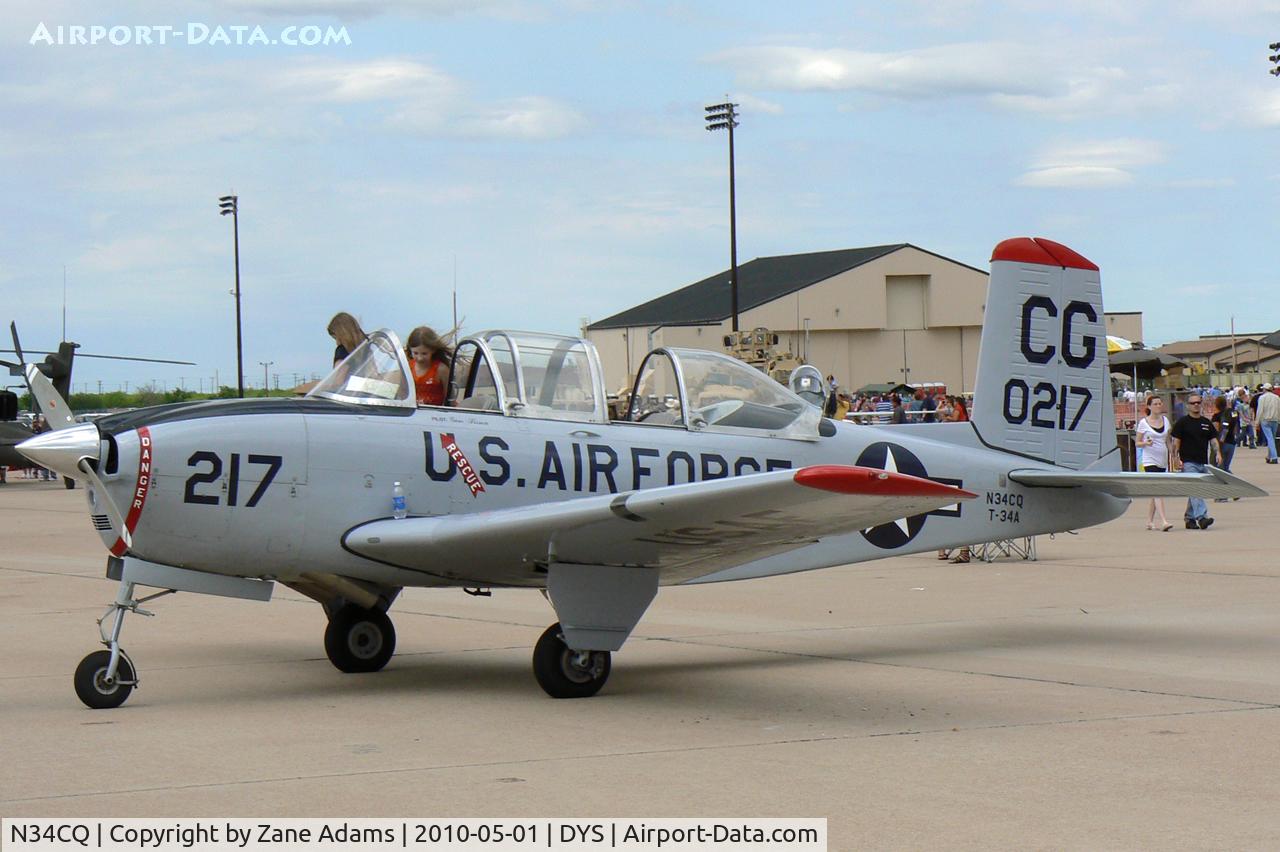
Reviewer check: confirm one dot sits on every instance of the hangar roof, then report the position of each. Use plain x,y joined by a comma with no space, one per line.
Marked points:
759,281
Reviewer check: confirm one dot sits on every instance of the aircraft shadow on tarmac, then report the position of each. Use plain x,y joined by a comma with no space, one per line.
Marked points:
502,670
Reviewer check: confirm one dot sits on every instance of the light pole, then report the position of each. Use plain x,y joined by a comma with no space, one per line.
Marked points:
231,204
265,365
724,117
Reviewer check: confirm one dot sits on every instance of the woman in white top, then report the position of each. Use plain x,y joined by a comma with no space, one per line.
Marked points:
1153,448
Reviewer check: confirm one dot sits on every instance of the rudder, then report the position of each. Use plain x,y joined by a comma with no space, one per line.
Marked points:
1043,387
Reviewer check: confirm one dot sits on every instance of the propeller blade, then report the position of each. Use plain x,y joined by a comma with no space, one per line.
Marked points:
55,408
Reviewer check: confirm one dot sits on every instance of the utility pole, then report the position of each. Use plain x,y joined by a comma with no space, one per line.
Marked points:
265,365
231,204
724,117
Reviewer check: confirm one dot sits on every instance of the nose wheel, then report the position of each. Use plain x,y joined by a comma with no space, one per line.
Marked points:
97,687
359,640
565,673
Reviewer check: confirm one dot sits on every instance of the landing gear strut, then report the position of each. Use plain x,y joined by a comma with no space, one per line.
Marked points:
565,673
359,640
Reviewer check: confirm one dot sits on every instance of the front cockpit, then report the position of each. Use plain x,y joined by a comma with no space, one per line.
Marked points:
376,373
557,377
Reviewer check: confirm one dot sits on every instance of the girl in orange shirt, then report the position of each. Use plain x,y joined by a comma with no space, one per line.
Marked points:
429,357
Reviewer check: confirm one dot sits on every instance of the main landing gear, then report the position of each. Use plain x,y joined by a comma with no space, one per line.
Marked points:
565,673
359,640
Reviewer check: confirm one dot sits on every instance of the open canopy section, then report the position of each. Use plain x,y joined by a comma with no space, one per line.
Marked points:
529,374
376,373
708,391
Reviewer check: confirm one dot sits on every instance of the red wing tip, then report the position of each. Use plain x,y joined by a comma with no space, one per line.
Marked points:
851,479
1041,251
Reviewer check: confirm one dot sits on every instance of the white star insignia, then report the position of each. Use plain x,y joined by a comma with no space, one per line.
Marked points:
891,466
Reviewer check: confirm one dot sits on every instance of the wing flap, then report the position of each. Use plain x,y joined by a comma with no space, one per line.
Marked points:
1214,483
684,530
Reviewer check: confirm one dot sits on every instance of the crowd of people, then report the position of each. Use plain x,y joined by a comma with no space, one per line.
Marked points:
921,406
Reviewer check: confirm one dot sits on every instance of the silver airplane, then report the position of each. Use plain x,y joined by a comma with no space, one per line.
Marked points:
713,473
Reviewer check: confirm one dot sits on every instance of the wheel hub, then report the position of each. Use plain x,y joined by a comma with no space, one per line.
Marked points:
582,666
364,640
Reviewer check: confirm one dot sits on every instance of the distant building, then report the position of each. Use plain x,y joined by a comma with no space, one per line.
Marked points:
880,314
1216,351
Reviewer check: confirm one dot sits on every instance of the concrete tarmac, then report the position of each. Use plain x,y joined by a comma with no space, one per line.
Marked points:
1121,692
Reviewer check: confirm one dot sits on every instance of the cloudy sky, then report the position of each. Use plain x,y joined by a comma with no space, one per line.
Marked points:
553,153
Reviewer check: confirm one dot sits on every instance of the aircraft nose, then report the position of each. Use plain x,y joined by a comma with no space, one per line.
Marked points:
61,451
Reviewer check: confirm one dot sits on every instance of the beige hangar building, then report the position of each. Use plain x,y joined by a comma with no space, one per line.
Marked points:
880,314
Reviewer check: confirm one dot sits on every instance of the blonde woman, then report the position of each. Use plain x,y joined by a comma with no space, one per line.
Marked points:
347,333
1152,438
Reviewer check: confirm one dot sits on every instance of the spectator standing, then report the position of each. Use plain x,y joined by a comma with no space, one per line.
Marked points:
1152,438
1268,418
1247,438
884,409
1193,436
929,406
899,413
1227,421
959,412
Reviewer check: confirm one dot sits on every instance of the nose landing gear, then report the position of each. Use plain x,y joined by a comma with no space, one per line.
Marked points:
105,679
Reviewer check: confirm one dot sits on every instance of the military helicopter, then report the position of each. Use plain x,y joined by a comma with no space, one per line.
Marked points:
714,472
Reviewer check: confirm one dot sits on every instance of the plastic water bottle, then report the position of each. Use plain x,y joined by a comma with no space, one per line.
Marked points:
398,509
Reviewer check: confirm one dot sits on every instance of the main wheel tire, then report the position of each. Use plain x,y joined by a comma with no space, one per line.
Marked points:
69,482
359,640
565,673
92,686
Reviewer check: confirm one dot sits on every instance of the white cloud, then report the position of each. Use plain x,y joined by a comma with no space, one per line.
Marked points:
1092,177
975,68
375,80
364,9
530,117
757,105
1261,107
1009,76
1202,183
1091,165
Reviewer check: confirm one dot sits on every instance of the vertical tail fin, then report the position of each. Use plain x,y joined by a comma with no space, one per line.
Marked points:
1043,388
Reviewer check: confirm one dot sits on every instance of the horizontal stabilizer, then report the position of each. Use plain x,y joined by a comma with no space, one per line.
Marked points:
1213,483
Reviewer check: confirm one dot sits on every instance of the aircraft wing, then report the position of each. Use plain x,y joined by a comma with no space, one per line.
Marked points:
1215,482
685,530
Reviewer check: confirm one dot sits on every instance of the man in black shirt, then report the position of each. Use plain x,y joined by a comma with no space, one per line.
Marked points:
1192,437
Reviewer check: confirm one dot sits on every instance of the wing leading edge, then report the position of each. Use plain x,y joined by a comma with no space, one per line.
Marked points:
685,531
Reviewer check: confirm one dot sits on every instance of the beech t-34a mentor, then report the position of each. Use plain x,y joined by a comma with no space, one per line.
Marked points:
714,472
